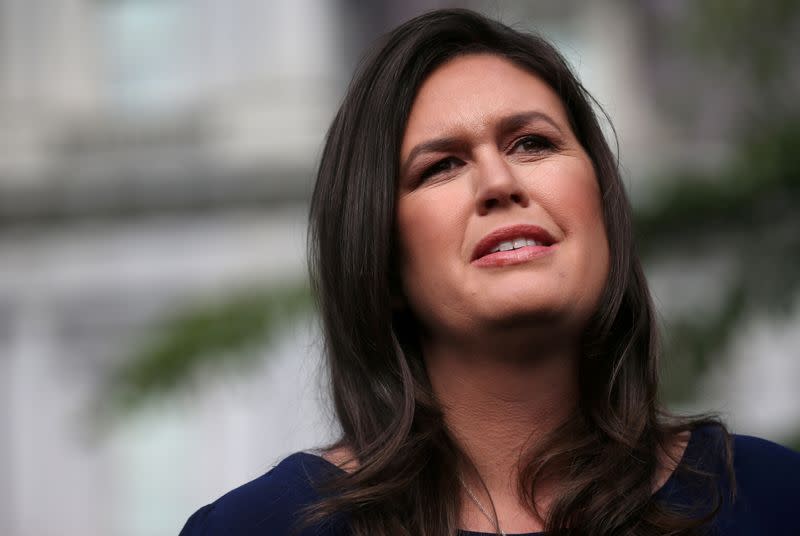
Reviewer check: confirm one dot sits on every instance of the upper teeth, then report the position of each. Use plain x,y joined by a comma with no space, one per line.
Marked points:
514,244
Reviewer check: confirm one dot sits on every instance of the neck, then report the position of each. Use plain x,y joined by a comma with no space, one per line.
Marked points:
498,402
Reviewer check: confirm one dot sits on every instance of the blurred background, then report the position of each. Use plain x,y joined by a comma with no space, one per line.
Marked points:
158,344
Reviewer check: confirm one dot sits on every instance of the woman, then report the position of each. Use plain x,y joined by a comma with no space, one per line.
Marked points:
491,341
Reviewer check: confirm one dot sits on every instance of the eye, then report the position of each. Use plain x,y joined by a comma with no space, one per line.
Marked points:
442,165
533,144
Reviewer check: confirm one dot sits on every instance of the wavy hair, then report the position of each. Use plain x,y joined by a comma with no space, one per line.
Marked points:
406,481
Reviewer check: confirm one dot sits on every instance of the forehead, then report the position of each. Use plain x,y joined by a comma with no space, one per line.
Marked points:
470,93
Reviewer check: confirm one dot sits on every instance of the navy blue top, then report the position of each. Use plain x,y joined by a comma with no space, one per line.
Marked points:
767,502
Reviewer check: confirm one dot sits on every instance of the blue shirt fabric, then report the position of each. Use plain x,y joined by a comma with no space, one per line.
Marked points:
767,501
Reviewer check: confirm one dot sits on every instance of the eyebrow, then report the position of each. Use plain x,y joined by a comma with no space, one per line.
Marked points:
450,143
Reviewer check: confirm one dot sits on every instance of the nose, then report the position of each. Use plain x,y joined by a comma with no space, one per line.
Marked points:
497,186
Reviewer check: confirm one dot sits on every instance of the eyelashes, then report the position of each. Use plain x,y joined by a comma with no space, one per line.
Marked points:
535,143
531,144
438,167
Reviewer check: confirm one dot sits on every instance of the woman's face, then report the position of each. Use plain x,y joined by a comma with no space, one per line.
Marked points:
498,213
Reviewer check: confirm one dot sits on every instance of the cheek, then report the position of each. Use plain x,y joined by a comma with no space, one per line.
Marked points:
430,224
571,194
590,222
574,201
430,228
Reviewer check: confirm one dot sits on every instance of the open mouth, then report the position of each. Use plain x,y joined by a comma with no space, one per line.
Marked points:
513,238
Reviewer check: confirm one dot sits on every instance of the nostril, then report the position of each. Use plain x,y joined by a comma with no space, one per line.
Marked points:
491,203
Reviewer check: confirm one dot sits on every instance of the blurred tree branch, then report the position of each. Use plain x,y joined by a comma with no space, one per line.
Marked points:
749,206
220,335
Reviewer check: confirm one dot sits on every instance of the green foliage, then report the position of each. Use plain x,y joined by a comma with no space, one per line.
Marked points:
220,334
749,210
793,442
759,34
756,192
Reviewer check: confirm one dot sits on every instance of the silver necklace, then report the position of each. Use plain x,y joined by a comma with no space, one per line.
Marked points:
484,511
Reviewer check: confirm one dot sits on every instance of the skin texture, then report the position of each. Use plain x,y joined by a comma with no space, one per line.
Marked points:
493,178
501,344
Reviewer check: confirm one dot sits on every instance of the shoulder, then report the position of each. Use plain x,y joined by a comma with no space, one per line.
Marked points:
762,464
269,505
766,483
756,461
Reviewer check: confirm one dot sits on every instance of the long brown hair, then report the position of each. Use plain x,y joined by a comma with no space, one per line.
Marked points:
406,482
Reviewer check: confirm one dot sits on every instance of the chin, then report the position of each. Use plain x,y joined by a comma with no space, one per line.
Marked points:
516,314
553,314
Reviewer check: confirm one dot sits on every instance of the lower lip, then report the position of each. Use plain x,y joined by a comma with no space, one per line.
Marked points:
513,256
